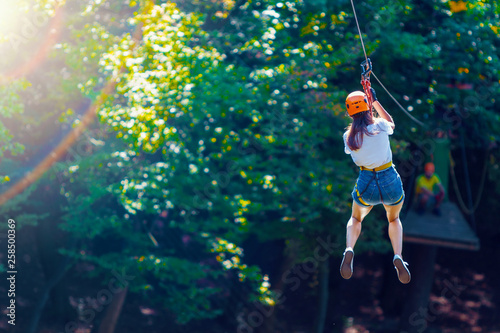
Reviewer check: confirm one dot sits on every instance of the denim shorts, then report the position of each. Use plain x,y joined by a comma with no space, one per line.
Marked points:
389,190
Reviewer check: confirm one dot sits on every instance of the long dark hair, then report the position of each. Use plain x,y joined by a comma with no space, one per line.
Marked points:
360,121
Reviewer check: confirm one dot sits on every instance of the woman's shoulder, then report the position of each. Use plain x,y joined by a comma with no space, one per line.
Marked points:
383,125
380,121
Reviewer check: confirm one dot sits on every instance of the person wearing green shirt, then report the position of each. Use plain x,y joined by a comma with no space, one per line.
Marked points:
429,187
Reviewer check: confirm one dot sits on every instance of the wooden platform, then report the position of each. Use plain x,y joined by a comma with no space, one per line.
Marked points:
449,230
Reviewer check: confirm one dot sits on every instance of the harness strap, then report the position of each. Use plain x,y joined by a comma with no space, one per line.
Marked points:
360,194
378,186
380,168
374,176
365,81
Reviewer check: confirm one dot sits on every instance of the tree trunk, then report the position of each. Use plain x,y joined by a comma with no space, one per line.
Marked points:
324,275
40,306
113,311
415,314
287,264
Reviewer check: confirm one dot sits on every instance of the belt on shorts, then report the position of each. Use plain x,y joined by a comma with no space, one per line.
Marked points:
380,168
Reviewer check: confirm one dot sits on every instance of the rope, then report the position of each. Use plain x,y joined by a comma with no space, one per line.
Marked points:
359,31
366,58
460,200
400,106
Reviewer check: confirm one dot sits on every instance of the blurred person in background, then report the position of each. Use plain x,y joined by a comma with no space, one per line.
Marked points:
429,190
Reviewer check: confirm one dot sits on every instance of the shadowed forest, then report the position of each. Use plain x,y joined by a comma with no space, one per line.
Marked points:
179,166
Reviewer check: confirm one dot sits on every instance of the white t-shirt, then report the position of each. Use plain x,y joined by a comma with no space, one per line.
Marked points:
375,150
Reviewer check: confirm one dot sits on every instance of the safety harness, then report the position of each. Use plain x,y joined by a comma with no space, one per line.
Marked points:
374,176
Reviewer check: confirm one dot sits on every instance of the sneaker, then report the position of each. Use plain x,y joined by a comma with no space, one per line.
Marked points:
346,266
404,275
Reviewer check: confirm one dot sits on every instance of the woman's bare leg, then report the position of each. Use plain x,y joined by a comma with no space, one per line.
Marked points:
353,229
396,236
395,227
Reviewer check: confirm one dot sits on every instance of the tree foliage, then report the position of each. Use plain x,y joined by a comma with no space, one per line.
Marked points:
226,124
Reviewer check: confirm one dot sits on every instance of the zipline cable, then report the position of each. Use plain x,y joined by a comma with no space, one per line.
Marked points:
460,200
367,61
400,106
359,30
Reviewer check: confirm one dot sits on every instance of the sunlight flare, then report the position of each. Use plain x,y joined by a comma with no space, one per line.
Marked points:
11,13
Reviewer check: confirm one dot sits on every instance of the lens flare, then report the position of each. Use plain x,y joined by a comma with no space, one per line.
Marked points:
11,13
26,37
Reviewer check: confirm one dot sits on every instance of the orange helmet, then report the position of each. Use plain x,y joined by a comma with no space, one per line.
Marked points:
429,167
356,102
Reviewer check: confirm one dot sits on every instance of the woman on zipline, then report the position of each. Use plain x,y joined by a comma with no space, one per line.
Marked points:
367,141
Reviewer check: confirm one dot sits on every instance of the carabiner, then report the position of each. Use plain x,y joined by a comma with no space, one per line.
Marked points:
367,68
